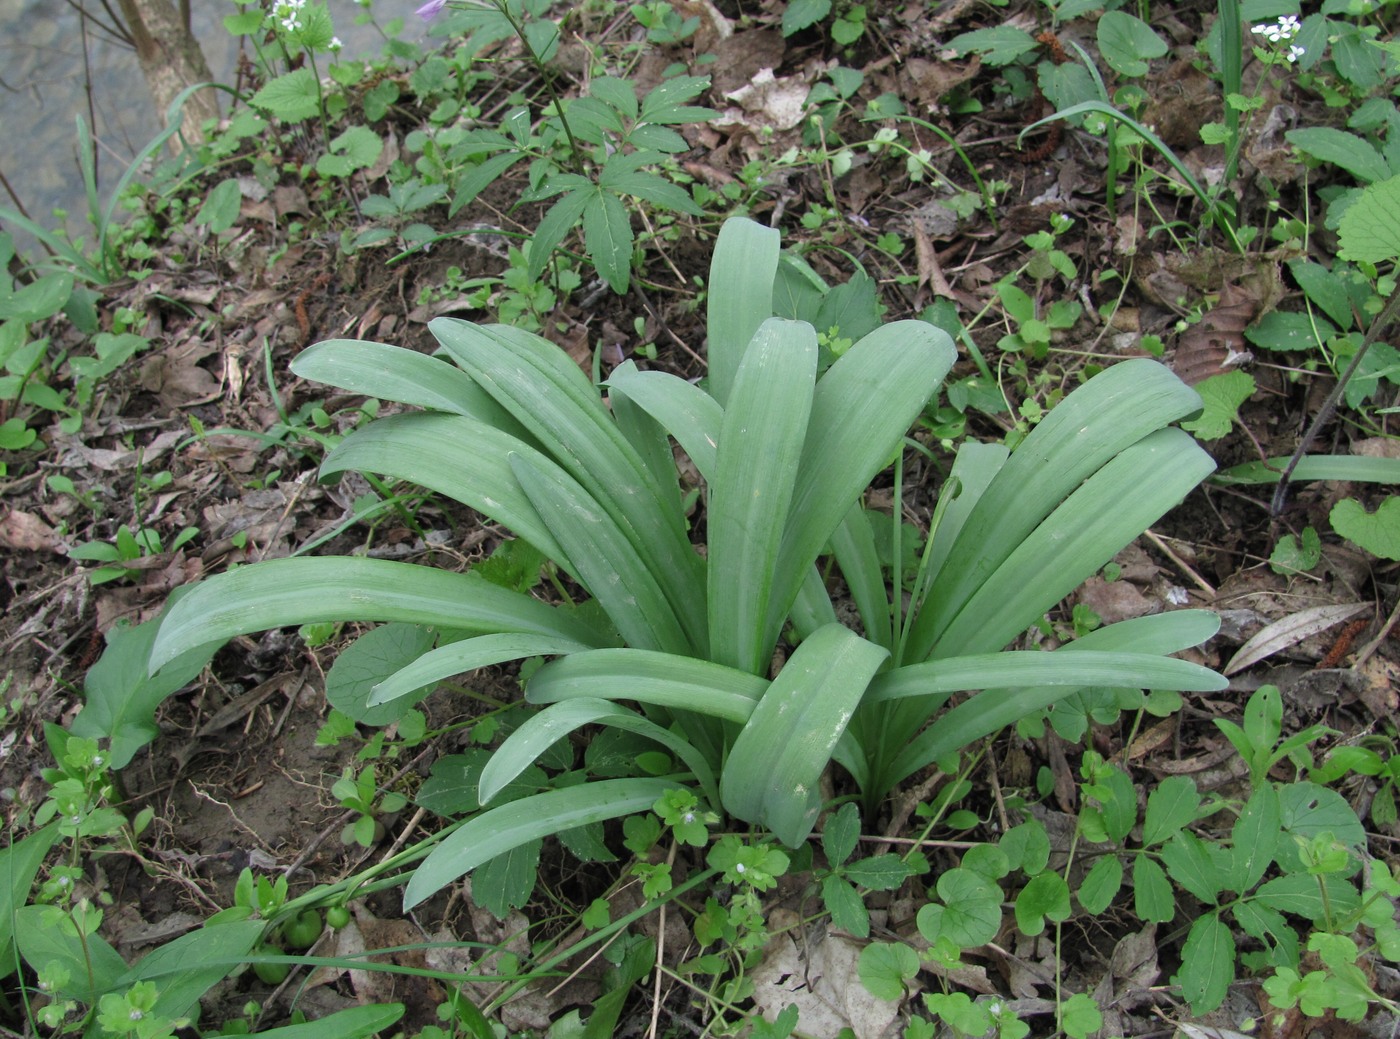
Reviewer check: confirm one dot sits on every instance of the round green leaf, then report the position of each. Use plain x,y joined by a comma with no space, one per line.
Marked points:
1046,897
1377,532
1126,43
971,910
884,967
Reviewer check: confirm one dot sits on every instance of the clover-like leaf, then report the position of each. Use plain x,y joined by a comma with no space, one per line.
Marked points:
1377,532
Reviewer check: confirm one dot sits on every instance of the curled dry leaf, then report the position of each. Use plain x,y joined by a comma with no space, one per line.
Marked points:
1290,631
1217,340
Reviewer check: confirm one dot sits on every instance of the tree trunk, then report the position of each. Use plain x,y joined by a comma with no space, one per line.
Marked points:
171,60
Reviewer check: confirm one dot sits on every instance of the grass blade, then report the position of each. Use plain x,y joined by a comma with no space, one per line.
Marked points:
760,444
1353,468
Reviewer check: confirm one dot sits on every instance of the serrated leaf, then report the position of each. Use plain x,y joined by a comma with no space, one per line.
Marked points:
1101,884
1172,804
1152,892
878,872
1189,862
1254,837
844,904
1207,964
1222,395
840,834
607,236
998,46
1377,532
1354,154
802,14
1370,228
291,97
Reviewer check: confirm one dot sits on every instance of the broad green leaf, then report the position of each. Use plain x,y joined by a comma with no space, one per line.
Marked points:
1377,532
406,376
884,967
1353,468
186,968
1223,394
1308,810
1153,900
1287,330
1189,862
121,693
542,730
1059,668
548,393
456,658
878,872
608,564
1301,895
1354,154
498,830
844,904
1172,804
778,757
350,1023
506,881
740,298
1127,43
1026,846
1207,964
1045,897
19,863
428,450
998,46
220,207
1255,835
607,235
291,97
356,148
760,444
1370,228
1101,884
803,14
562,218
652,188
1325,289
36,301
282,592
971,911
900,365
666,102
840,835
686,411
1113,411
369,660
662,679
1110,509
46,935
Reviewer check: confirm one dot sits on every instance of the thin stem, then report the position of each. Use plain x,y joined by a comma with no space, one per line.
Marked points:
1329,406
518,27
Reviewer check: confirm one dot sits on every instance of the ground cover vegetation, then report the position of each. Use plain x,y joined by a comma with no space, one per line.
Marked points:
678,519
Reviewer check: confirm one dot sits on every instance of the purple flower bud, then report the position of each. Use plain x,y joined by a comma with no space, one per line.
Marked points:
431,9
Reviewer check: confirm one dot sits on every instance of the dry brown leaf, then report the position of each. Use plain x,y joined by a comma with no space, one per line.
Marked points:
1212,344
26,532
821,978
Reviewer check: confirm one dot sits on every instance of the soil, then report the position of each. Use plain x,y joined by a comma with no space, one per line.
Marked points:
236,777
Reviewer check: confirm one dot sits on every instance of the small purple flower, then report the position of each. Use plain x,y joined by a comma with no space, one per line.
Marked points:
431,8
